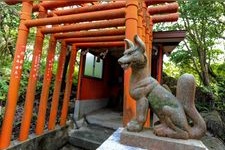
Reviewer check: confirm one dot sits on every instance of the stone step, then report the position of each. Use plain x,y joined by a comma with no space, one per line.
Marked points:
89,137
106,118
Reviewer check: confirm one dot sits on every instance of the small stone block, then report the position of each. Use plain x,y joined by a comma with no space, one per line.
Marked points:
113,143
147,140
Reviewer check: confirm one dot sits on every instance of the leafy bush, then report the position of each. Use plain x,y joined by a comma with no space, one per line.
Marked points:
219,91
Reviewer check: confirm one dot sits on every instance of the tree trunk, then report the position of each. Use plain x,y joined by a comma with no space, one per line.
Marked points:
205,75
204,68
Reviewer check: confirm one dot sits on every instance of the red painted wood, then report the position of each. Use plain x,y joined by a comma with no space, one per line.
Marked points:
57,87
129,109
160,63
16,72
93,88
69,82
33,77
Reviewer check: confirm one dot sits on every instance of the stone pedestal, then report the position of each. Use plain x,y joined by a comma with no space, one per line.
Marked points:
147,140
113,143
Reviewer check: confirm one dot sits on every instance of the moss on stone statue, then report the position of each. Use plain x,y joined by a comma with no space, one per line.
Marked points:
157,103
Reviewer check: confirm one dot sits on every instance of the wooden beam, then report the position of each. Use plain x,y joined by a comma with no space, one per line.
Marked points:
97,7
96,39
161,9
108,32
86,26
91,16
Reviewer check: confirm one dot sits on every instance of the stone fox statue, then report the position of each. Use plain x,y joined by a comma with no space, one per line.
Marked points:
173,112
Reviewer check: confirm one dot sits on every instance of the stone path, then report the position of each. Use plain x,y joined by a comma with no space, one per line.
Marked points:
106,118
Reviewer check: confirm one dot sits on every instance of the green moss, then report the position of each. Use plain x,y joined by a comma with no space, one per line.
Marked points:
158,103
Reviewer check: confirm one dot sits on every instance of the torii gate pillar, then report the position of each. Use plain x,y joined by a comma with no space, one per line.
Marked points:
129,108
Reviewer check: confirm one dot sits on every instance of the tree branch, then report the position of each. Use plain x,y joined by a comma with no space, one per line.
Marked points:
192,58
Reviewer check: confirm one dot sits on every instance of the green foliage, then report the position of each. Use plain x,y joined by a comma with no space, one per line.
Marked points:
76,69
202,52
205,25
219,86
4,81
24,80
9,21
219,69
171,69
220,91
4,89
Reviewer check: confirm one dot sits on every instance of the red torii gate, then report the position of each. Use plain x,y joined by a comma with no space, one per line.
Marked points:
135,16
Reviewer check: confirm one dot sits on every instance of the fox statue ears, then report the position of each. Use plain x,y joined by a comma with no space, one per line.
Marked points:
137,41
129,43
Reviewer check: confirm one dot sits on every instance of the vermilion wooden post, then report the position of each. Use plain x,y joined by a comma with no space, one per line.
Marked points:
80,75
15,77
146,40
140,20
160,63
150,31
129,110
144,30
69,82
57,87
150,39
31,88
144,9
48,70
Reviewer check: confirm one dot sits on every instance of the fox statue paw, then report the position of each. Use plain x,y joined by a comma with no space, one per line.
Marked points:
164,131
134,126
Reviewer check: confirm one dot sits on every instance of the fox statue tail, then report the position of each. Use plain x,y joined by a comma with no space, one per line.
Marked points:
186,95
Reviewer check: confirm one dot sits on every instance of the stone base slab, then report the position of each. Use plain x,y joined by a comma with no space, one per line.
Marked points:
147,140
50,140
113,143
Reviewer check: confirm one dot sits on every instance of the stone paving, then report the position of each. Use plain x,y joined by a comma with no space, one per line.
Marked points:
106,118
